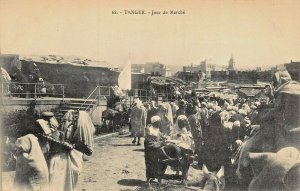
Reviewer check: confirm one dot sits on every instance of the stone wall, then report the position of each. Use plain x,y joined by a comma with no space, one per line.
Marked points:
219,76
79,81
243,77
139,81
188,76
9,105
15,104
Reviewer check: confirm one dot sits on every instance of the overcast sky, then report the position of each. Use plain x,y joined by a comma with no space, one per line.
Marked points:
257,33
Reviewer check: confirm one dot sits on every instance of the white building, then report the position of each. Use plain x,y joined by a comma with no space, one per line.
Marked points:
206,67
231,63
153,68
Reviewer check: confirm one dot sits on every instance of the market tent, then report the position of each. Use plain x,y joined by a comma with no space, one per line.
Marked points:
165,81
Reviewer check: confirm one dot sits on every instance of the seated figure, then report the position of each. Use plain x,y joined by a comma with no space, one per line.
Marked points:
181,135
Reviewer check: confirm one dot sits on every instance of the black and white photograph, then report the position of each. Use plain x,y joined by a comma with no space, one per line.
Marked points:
148,95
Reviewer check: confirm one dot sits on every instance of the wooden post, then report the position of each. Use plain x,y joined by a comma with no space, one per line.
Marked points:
63,93
35,96
99,95
2,91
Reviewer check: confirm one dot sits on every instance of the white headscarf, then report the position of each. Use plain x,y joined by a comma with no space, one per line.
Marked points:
227,125
155,118
210,105
225,116
242,112
176,130
138,103
217,108
237,123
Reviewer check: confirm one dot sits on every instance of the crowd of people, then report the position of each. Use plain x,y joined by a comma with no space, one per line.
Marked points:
207,129
219,131
51,156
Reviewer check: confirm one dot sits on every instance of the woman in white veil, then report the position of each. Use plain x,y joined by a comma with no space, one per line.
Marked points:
181,133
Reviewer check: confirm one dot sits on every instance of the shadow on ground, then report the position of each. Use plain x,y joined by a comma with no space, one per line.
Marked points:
139,150
123,145
131,182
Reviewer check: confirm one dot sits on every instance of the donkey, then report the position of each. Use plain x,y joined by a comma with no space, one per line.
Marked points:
110,119
213,181
180,160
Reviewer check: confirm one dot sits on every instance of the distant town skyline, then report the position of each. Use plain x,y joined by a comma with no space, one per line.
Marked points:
257,33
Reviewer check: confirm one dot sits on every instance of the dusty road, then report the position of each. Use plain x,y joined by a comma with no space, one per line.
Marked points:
116,164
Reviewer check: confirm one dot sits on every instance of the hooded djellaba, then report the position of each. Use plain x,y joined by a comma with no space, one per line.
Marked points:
65,165
31,166
138,117
181,133
165,113
153,142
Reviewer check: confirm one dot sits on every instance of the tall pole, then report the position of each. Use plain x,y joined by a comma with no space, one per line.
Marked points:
99,95
35,96
63,93
2,91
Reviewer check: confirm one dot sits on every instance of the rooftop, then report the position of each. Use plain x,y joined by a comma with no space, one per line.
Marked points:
250,92
165,81
73,60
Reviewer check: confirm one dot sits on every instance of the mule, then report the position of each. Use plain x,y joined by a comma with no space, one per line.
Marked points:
181,161
111,119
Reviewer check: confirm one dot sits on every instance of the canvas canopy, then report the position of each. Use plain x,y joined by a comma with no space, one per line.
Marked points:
165,81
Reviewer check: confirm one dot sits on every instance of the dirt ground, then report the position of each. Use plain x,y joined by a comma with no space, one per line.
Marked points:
116,164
